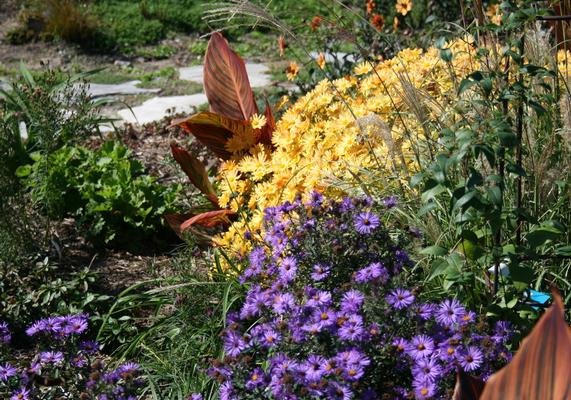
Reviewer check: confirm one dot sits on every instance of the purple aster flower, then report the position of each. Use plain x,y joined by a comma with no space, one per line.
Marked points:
471,359
89,346
35,328
7,371
311,368
128,369
424,389
234,344
337,391
52,324
390,202
352,301
318,298
400,298
351,331
372,272
195,396
366,222
425,311
427,368
320,272
325,317
420,346
449,312
78,361
76,325
257,257
283,302
400,344
20,394
270,337
282,364
288,269
256,379
315,199
227,391
502,332
51,357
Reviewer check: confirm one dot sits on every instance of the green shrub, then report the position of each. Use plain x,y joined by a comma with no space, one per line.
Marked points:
106,191
123,26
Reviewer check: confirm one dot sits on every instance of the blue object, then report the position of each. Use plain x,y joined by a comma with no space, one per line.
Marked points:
538,298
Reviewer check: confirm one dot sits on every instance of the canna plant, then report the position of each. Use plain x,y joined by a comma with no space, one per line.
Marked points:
229,129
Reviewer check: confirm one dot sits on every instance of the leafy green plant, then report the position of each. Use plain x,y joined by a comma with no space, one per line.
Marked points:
107,191
29,290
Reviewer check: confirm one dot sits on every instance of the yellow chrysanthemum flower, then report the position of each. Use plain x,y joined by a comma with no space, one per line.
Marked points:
258,121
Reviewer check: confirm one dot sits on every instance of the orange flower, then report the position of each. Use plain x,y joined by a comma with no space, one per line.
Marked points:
378,22
370,6
404,6
292,70
315,22
395,24
282,44
321,60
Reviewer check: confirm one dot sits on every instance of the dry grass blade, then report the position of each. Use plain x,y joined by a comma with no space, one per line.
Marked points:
541,369
241,13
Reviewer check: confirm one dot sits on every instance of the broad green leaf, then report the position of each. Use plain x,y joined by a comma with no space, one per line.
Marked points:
541,235
434,251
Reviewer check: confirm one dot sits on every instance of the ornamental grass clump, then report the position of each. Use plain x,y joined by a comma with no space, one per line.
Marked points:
64,366
328,313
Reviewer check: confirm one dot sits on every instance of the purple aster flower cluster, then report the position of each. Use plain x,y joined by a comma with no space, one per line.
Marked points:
65,366
59,327
447,337
325,315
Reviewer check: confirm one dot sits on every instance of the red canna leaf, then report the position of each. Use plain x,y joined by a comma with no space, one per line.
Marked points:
541,369
209,219
268,129
214,131
467,387
181,222
195,171
226,82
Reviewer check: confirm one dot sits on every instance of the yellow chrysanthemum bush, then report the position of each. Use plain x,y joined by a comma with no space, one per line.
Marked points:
333,132
382,118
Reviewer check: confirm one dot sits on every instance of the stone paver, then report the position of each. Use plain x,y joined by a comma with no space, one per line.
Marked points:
120,89
257,73
157,108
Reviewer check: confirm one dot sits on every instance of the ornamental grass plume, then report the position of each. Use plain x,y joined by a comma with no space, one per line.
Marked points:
328,315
